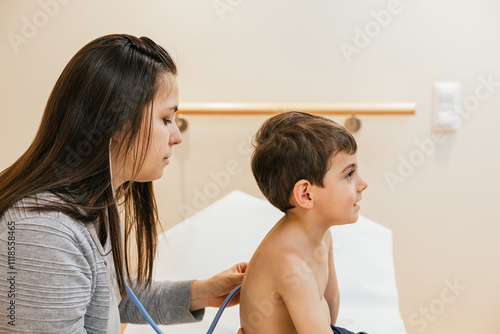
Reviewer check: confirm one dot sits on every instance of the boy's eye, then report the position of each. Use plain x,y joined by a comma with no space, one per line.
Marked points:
349,175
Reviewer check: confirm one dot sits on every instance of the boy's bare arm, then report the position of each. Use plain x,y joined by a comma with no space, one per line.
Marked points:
300,293
332,294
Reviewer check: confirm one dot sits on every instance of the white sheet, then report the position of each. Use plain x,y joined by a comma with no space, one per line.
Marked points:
229,231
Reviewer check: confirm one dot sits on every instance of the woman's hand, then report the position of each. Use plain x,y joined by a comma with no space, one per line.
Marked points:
213,291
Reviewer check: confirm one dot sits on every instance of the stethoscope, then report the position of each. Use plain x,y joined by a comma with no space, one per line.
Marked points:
155,327
136,300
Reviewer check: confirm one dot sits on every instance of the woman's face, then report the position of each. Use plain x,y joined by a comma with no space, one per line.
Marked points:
164,135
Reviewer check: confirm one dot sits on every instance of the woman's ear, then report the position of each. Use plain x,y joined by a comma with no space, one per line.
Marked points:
301,194
119,136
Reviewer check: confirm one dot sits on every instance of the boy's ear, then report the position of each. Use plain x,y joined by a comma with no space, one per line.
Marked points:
301,194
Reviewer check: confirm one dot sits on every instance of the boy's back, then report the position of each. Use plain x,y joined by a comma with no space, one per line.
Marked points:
282,265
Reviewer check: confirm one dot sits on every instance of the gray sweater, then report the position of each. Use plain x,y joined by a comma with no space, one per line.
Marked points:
54,280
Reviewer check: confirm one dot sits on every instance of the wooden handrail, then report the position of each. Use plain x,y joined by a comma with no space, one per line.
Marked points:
340,108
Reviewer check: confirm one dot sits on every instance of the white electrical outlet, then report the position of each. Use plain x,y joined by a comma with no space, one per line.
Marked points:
447,104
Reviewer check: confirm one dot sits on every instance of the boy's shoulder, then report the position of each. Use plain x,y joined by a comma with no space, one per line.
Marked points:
286,259
294,257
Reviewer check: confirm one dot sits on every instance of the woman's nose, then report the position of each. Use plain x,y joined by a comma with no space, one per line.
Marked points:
175,136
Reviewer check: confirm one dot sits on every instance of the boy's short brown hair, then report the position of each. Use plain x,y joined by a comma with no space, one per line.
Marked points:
293,146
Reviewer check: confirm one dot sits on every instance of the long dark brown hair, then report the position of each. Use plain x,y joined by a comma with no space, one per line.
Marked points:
108,86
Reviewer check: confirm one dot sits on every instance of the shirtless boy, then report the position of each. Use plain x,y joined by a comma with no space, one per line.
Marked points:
306,166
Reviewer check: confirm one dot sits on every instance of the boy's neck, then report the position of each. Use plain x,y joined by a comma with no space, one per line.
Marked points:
307,224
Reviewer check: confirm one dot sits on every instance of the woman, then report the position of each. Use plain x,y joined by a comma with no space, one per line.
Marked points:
107,132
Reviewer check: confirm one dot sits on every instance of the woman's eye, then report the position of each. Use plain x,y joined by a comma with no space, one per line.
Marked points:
167,121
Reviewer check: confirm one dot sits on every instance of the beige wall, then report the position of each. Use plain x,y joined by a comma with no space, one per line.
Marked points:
444,215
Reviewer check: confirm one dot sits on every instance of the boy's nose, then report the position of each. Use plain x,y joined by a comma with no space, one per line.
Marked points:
362,185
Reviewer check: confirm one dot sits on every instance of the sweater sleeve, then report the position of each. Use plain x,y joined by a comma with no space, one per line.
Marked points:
166,302
46,278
